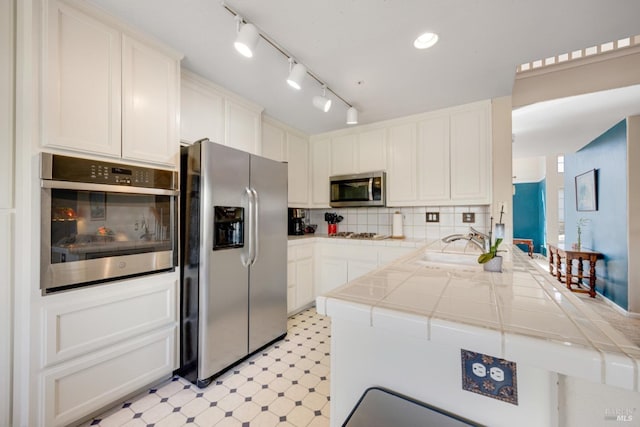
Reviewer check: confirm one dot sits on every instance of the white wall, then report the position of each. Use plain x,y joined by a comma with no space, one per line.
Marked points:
6,207
633,212
554,181
502,158
528,169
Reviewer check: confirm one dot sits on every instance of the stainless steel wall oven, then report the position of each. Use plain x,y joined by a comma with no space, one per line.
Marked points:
103,221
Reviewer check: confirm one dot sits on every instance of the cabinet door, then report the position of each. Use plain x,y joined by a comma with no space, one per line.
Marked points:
291,284
320,172
343,155
333,273
304,282
356,269
150,104
201,113
274,142
371,151
82,83
470,156
433,159
401,165
298,155
242,127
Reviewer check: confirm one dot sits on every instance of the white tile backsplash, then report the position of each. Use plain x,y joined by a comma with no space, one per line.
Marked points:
379,220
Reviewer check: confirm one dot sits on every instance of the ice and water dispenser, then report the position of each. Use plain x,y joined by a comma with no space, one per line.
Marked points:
228,227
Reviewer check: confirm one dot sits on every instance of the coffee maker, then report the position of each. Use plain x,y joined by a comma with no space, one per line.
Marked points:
296,221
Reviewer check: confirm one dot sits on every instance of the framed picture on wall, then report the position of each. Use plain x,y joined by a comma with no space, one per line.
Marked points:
586,191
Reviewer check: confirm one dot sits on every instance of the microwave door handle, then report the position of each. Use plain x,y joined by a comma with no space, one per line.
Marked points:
247,252
370,189
255,221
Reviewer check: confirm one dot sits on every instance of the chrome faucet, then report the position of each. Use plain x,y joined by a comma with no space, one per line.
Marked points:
481,240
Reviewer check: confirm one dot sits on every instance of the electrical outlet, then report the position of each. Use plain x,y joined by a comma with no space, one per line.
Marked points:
489,376
433,217
468,217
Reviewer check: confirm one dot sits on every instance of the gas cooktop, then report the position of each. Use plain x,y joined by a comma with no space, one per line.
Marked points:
364,236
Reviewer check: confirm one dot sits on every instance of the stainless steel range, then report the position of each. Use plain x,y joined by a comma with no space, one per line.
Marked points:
103,221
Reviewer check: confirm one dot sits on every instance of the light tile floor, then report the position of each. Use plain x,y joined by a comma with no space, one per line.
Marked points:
287,384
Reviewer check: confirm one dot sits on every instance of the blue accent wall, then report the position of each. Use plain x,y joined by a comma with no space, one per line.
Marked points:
529,213
606,231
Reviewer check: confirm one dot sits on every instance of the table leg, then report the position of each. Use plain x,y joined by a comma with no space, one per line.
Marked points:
592,277
569,264
551,261
530,250
558,268
580,275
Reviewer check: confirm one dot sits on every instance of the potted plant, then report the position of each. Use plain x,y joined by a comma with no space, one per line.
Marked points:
490,260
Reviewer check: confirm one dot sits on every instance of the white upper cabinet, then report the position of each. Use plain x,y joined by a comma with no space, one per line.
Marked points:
106,91
243,126
433,159
83,82
201,111
343,154
320,172
401,165
298,157
371,153
150,104
210,111
471,154
274,142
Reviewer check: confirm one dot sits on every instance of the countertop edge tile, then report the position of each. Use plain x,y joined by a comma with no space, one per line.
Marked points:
468,337
414,325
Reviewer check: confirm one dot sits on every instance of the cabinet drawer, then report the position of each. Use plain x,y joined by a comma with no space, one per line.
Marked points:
76,326
75,389
304,252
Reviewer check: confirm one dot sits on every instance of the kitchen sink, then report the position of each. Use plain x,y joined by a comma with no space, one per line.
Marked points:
449,260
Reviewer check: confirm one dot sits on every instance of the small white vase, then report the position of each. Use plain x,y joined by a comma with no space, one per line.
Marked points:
494,264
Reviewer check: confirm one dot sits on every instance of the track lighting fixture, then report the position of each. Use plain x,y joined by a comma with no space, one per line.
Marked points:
247,39
296,74
352,116
322,102
246,42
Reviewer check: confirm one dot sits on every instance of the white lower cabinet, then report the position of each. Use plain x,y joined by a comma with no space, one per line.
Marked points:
104,343
300,289
339,262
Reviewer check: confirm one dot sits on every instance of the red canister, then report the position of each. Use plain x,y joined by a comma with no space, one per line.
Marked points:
333,229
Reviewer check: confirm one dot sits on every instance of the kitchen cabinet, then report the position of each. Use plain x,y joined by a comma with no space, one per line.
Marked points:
371,153
150,90
300,290
343,154
106,91
332,272
210,111
320,172
201,110
471,154
401,165
105,342
243,126
433,159
274,141
298,158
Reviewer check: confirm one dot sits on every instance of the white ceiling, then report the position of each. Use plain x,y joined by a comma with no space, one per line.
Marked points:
363,48
565,125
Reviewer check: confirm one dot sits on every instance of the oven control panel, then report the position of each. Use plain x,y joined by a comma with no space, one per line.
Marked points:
65,168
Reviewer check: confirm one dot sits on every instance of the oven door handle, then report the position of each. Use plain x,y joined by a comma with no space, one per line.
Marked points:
87,186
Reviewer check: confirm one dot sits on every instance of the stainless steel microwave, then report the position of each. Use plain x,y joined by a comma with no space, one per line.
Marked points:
363,189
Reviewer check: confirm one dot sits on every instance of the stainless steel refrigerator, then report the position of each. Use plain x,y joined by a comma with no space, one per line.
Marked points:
234,257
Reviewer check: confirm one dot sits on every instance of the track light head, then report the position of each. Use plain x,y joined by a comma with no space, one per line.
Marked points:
247,39
352,116
296,75
322,103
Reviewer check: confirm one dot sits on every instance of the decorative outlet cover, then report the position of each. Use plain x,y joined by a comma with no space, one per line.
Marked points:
489,376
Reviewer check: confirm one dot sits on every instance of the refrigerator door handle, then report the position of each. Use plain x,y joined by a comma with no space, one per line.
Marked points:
254,238
247,253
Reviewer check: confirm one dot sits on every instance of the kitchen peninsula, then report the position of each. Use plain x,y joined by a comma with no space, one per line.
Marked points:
490,347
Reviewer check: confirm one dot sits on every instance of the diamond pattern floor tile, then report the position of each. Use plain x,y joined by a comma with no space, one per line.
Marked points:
287,384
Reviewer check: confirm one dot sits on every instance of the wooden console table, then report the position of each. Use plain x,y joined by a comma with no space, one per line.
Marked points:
559,255
528,242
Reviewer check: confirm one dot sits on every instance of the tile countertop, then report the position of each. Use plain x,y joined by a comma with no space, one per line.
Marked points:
522,315
317,237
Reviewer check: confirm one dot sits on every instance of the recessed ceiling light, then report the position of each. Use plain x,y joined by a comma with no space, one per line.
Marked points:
425,41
